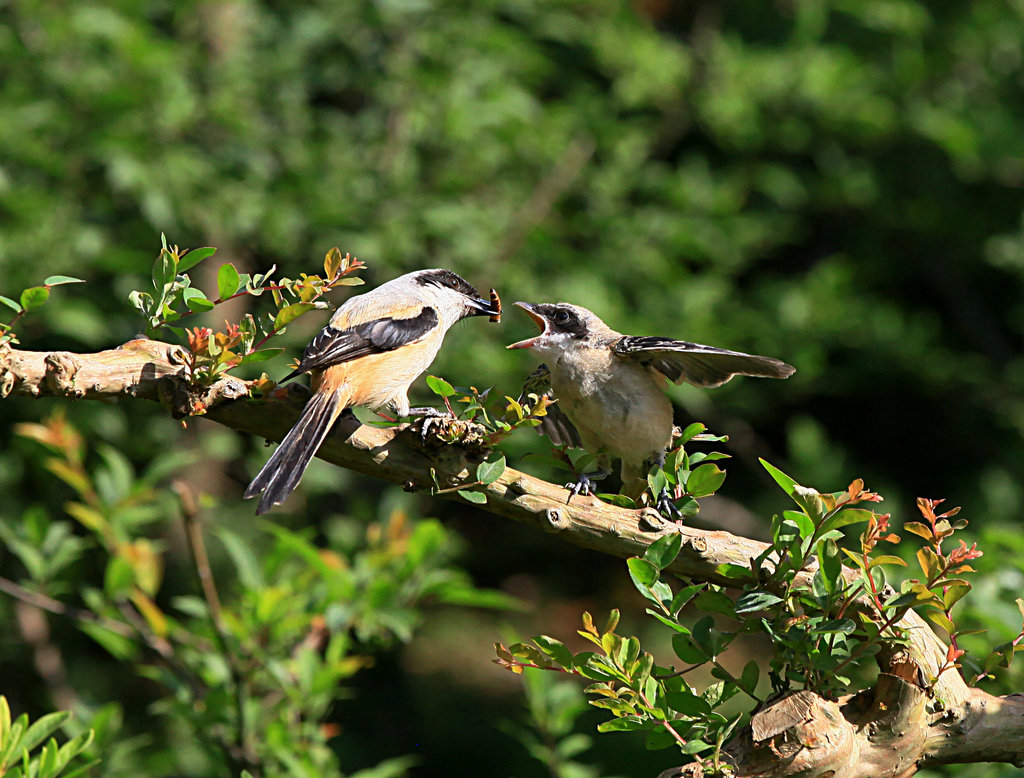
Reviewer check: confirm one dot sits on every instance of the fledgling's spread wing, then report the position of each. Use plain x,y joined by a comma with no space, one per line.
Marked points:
679,361
554,423
333,346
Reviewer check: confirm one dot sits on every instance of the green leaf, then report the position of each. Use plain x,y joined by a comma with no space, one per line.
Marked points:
625,724
195,300
290,313
705,480
846,517
119,577
478,497
554,649
687,703
694,747
902,601
10,303
831,565
675,625
954,593
658,739
440,387
620,500
804,523
810,501
691,431
163,270
58,280
684,595
643,573
663,551
756,601
930,564
783,480
750,676
193,257
34,296
941,619
657,481
733,571
227,281
713,601
488,472
43,728
687,650
837,626
260,356
887,559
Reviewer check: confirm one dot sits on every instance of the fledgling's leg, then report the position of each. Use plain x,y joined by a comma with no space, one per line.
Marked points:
584,484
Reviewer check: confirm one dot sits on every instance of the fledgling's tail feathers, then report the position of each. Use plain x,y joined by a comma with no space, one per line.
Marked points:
281,474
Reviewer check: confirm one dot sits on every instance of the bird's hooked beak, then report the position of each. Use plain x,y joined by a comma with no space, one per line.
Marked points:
539,320
490,307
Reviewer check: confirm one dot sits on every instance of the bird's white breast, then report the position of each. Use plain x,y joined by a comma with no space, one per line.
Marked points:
616,405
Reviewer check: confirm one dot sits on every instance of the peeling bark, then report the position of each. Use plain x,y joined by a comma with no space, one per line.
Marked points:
888,731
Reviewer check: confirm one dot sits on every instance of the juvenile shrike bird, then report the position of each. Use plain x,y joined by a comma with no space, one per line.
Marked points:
374,347
609,388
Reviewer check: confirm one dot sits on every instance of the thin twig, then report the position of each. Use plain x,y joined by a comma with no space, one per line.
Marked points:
57,607
201,560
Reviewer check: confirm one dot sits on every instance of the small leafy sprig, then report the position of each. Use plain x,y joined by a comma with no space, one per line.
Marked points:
212,352
498,422
470,417
30,299
19,739
640,695
942,586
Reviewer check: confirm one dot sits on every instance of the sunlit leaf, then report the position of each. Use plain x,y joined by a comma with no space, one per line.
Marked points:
34,296
260,356
663,551
59,280
783,480
193,257
487,472
705,480
228,281
440,387
290,313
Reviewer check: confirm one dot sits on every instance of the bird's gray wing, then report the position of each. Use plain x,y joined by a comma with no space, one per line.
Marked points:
679,361
332,346
554,423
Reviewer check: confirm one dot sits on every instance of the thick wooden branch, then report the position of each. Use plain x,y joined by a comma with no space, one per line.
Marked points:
901,724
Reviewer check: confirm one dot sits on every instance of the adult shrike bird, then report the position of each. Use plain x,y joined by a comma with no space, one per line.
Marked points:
374,347
609,388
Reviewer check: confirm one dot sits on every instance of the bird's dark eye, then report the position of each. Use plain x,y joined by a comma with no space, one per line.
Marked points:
562,316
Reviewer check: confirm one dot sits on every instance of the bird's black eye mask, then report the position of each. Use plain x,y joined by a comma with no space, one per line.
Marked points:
448,279
561,318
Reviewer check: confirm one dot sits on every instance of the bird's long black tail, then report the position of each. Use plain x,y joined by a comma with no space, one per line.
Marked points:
281,474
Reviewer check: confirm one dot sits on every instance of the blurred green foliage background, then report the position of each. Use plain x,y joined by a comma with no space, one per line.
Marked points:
834,183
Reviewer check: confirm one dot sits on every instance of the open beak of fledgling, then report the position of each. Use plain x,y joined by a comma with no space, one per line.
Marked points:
539,320
490,307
